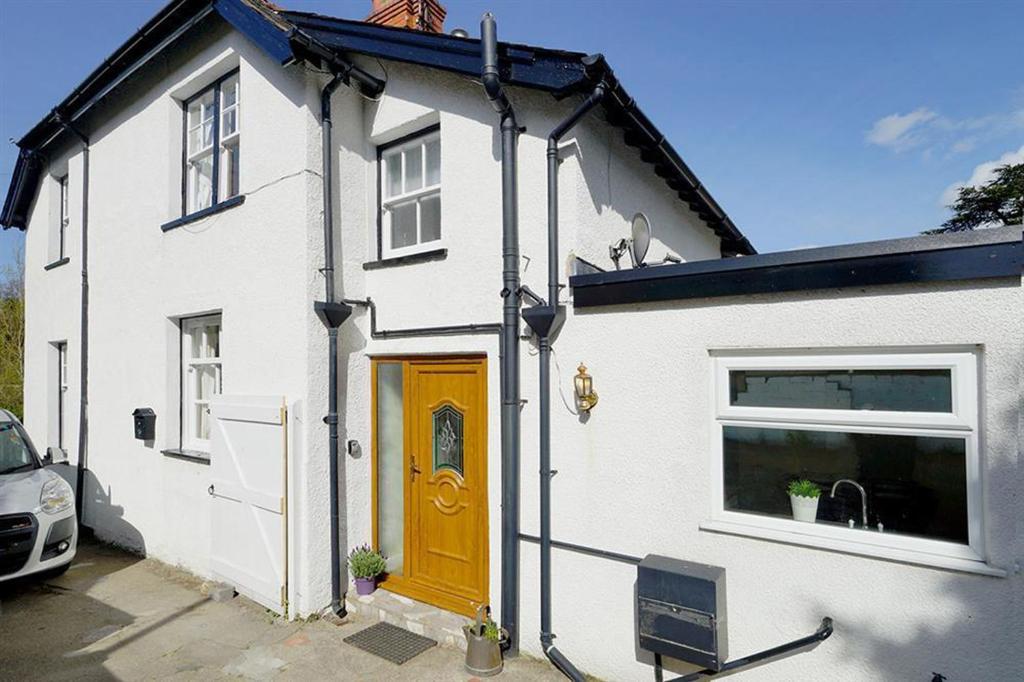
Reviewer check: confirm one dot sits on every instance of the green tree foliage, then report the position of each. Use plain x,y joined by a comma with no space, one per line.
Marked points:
12,335
998,202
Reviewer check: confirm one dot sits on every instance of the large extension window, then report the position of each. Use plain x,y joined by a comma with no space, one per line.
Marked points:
212,135
410,209
889,439
200,378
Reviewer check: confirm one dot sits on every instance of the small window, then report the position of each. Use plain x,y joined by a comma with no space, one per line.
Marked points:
411,195
64,219
200,378
889,439
212,135
62,390
448,439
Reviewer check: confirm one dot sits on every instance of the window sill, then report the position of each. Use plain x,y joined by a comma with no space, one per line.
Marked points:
951,563
57,263
203,213
187,455
422,257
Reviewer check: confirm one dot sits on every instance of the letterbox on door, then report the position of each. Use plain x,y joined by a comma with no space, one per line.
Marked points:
681,610
145,423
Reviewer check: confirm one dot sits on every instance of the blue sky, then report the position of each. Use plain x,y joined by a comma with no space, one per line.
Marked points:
811,123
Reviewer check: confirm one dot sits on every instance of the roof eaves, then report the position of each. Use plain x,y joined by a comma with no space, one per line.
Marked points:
557,71
253,18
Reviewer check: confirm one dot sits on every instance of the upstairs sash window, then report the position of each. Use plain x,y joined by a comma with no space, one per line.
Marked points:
212,135
411,195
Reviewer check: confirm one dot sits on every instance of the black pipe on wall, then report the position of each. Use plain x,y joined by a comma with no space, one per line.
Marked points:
83,402
509,346
326,124
545,320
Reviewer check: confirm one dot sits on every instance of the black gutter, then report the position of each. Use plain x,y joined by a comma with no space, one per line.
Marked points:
983,254
559,72
369,84
83,402
510,394
546,319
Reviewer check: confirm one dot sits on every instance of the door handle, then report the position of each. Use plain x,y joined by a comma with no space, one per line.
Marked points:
210,489
413,469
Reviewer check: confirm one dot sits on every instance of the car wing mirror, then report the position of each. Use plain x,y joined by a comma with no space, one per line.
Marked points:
55,456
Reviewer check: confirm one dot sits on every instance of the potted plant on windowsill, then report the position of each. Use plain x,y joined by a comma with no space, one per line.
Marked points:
803,498
366,565
484,643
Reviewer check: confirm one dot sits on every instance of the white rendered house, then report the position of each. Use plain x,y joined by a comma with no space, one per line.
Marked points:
342,316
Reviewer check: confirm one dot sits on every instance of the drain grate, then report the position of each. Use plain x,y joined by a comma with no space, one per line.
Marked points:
390,642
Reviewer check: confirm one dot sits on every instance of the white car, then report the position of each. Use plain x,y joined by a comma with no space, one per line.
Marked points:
38,530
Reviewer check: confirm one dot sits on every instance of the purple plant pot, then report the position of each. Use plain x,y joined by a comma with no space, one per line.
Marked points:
365,586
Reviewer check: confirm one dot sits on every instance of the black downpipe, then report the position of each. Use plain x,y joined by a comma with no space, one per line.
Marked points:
337,600
83,402
510,393
547,325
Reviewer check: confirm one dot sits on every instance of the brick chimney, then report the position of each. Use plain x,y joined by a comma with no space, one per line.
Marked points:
423,15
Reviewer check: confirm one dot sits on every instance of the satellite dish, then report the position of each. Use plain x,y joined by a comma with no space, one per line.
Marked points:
641,239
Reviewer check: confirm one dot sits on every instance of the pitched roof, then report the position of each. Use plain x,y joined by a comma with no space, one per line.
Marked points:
299,36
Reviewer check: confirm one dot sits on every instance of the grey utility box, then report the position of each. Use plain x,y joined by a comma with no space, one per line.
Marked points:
145,423
681,610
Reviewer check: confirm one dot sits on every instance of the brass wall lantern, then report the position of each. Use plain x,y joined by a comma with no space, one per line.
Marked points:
586,398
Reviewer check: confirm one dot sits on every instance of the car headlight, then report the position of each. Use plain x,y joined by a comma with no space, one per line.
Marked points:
56,496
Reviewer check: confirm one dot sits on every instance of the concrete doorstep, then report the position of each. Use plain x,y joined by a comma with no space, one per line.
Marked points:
118,616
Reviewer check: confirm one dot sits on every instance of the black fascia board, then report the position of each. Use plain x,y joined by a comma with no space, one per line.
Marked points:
557,71
523,65
268,33
978,255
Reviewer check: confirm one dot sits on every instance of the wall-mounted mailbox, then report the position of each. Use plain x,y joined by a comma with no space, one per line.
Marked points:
681,610
145,423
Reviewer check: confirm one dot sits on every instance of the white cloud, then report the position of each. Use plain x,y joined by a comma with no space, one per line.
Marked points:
983,173
900,131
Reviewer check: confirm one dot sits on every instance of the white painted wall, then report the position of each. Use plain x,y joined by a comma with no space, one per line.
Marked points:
252,263
603,184
57,292
635,478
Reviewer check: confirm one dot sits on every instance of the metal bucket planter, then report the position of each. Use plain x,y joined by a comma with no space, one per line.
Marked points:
483,656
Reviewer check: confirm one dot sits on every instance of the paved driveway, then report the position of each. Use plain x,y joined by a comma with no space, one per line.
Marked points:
115,616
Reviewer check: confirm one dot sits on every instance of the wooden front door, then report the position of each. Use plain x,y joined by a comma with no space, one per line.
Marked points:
445,525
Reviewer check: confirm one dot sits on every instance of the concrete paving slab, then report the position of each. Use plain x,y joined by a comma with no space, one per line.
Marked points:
114,616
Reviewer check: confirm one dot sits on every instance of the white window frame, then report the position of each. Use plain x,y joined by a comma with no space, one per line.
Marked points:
387,154
65,217
62,389
189,362
961,423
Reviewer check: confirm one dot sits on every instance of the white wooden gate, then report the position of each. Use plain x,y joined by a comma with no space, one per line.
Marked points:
248,471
